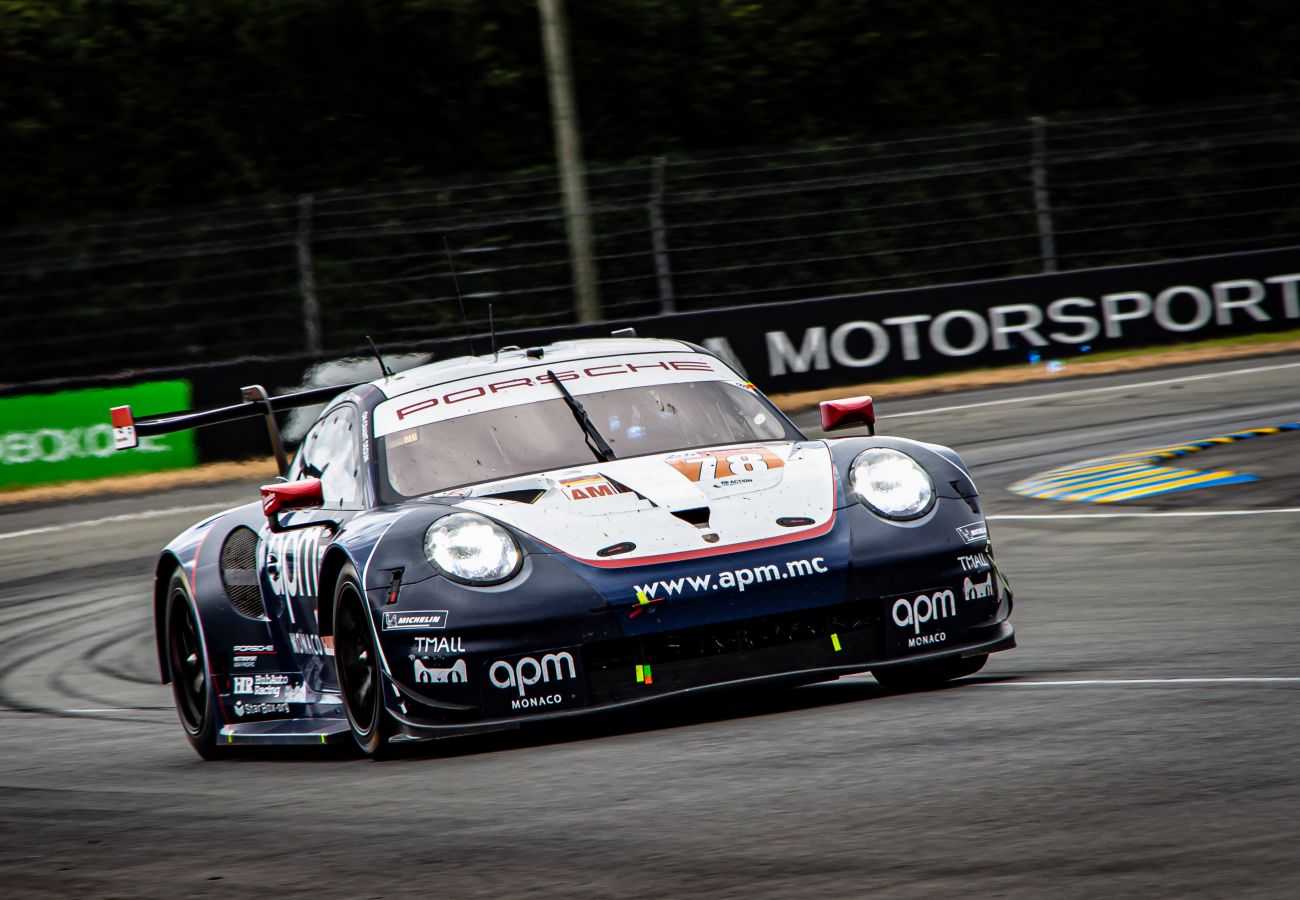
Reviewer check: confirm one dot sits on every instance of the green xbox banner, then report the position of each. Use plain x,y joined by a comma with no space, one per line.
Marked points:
47,438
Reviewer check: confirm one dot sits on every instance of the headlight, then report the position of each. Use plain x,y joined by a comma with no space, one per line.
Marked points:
891,483
471,549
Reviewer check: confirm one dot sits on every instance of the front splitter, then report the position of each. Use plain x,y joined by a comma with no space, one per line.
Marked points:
1001,637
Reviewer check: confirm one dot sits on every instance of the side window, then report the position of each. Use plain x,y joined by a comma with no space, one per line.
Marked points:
329,452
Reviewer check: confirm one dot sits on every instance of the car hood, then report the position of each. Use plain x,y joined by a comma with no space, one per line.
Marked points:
670,506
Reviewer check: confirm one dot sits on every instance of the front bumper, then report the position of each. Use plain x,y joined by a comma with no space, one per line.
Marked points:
567,639
792,647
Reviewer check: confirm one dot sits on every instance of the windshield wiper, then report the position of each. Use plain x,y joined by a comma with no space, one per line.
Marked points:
604,452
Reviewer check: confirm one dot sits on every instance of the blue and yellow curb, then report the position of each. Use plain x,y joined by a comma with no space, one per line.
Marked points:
1132,476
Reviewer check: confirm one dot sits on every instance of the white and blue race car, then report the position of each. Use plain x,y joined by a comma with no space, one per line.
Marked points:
554,531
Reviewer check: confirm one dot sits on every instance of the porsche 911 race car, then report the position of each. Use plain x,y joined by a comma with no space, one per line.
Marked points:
554,531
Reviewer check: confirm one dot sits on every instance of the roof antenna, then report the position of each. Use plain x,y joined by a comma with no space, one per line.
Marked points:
492,329
456,284
383,366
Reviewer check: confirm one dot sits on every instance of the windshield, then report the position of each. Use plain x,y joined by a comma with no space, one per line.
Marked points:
534,437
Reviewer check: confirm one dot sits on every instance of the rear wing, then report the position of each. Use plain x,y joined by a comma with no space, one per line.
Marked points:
127,430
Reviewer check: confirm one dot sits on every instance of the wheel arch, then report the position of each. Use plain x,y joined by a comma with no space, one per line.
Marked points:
331,567
168,564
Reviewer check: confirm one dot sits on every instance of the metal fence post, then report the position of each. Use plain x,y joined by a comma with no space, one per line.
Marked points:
659,236
307,276
568,154
1042,201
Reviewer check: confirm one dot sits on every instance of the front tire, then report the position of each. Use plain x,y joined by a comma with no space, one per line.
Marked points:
927,675
187,668
357,660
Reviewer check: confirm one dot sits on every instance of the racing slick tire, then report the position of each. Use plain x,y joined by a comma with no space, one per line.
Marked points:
923,676
187,668
357,661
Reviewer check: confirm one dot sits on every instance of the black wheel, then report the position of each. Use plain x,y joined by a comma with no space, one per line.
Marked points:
923,676
357,661
192,688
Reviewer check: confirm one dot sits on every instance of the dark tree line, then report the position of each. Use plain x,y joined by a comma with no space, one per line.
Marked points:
120,105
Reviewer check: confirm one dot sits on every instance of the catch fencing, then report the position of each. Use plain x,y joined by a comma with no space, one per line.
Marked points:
314,274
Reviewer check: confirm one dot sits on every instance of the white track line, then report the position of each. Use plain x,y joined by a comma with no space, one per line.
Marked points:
109,520
1139,682
1170,514
1212,681
1096,390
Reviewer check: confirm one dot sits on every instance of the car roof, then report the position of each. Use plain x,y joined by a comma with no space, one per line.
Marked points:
513,357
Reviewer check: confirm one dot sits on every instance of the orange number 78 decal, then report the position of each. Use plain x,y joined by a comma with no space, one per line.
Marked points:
708,465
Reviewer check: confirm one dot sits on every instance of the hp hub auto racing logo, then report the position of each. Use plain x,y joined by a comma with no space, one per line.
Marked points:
916,612
550,680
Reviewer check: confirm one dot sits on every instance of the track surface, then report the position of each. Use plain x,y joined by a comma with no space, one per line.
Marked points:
1050,772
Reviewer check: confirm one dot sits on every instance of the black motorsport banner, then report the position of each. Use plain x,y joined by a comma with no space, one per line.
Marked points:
847,339
851,339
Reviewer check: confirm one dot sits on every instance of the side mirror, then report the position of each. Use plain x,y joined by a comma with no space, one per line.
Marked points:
847,413
291,495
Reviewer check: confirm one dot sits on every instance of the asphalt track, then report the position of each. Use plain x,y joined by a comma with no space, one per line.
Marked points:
1140,742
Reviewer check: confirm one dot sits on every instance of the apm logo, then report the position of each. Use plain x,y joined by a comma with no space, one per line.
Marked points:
291,561
924,609
528,671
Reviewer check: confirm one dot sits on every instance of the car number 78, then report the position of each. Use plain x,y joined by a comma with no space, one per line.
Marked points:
707,465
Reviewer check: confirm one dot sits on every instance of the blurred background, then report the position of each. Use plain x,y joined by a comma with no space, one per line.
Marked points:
190,182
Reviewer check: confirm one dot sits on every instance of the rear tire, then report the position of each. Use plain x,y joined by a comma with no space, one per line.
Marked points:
357,660
187,667
927,675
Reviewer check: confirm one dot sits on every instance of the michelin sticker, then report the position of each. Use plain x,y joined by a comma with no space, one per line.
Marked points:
415,618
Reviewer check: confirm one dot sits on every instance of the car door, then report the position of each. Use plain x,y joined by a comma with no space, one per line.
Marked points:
290,561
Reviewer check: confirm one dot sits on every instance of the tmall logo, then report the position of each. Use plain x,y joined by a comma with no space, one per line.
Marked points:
439,646
454,674
528,671
978,590
924,609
